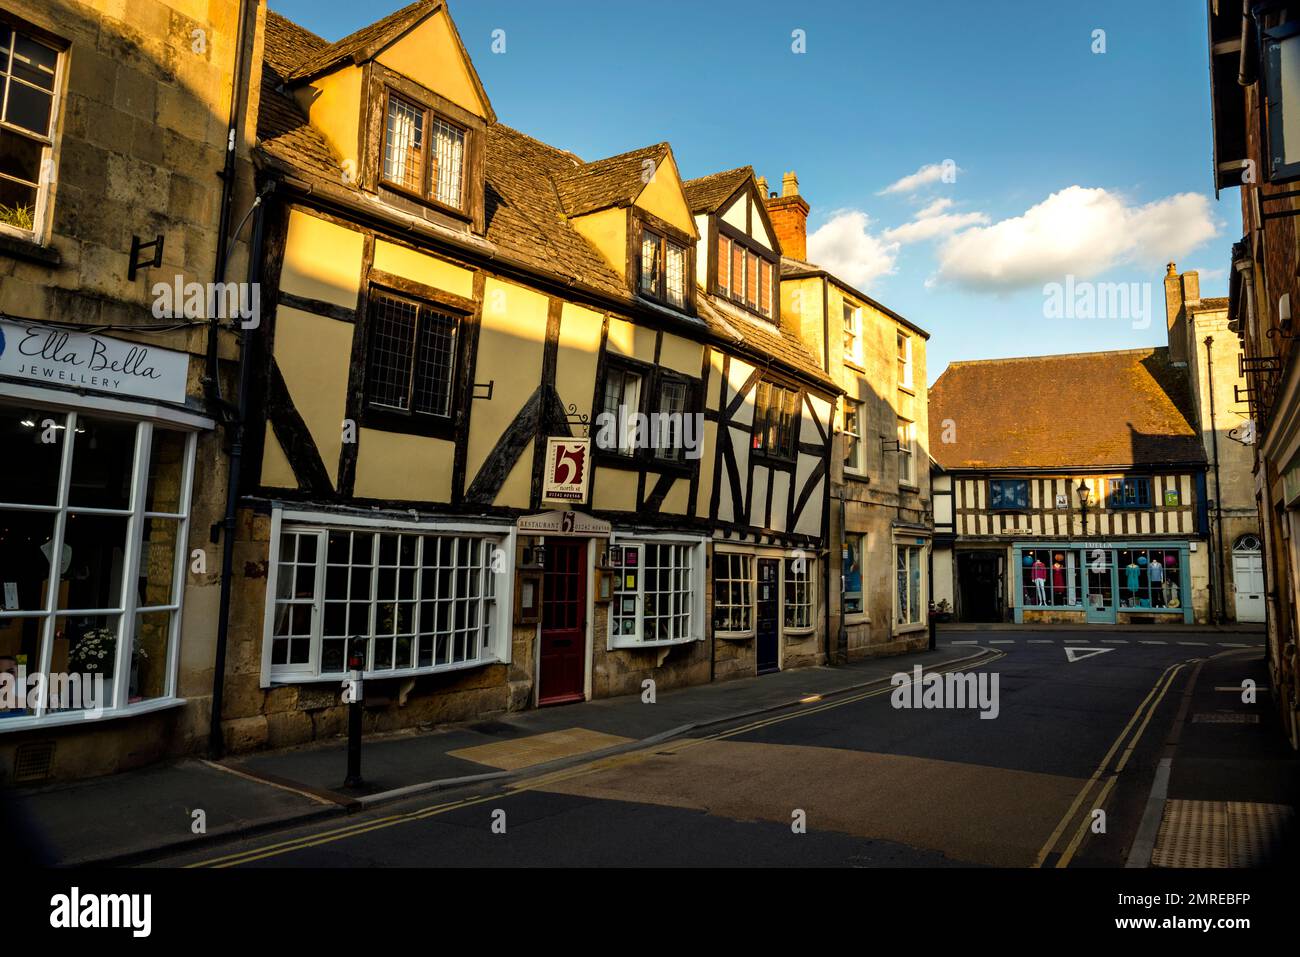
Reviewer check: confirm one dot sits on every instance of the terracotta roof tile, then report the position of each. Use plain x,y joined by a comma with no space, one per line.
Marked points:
1130,407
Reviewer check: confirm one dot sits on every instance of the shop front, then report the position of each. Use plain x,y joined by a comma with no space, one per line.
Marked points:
1103,582
94,522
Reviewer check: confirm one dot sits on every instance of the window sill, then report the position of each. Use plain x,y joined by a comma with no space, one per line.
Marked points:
279,681
622,645
80,717
856,474
18,247
910,628
910,388
734,635
855,365
857,619
801,633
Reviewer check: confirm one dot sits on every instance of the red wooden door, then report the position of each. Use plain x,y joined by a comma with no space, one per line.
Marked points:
563,665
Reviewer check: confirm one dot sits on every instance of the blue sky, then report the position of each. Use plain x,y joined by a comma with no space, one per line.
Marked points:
1068,161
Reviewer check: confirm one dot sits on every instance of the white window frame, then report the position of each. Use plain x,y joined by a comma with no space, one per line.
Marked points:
922,611
853,467
806,580
907,454
853,346
498,585
48,172
906,379
696,547
136,513
750,583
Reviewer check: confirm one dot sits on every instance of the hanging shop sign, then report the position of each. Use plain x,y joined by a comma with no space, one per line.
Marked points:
565,479
45,355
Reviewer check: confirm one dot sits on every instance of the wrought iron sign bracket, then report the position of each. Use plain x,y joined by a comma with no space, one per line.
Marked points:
573,417
138,246
479,386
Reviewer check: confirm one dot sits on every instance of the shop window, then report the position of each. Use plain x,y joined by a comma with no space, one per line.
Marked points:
654,594
412,358
422,602
1149,578
799,578
92,557
733,592
1129,493
29,101
854,561
1049,578
1008,495
911,591
775,420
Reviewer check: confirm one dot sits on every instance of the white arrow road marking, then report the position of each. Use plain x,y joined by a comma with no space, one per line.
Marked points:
1078,654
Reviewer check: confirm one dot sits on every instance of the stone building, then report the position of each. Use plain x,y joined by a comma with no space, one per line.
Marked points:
880,514
111,203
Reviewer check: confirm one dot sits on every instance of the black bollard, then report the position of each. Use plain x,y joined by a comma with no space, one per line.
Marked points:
356,664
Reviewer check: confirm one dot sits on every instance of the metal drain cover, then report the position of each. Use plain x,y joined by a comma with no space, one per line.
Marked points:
1219,833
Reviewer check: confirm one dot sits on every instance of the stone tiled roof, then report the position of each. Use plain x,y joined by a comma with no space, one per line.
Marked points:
1095,409
613,181
355,45
706,193
532,189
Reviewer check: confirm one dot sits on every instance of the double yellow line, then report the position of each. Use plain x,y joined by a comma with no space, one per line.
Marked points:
251,855
1137,725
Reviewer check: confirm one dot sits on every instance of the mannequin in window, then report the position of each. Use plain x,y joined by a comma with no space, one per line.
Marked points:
1156,575
1132,573
1040,581
1058,581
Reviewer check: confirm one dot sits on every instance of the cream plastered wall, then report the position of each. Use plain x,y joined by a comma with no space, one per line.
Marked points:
607,231
321,261
424,268
662,196
333,105
736,214
276,470
313,354
681,355
702,251
430,56
630,340
394,465
577,358
510,348
615,490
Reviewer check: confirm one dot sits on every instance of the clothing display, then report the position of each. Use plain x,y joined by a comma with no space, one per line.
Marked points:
1040,581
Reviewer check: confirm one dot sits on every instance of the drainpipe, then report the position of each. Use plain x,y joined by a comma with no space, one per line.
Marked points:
236,431
1220,595
227,177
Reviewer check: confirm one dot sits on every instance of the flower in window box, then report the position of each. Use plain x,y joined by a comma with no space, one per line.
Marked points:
96,650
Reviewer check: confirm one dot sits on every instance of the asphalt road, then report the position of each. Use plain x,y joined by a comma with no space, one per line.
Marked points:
849,781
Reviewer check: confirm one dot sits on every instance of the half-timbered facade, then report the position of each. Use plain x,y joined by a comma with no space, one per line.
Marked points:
510,441
1090,506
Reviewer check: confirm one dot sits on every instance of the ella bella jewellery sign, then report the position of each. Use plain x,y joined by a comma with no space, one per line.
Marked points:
45,355
568,468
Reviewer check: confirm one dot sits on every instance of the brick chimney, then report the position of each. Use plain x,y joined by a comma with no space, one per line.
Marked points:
789,213
1181,290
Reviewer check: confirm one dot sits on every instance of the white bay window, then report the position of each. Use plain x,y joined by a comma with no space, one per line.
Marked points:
656,595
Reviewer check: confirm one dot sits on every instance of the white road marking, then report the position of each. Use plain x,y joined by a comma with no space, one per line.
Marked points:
1076,641
1041,641
962,642
1114,641
1232,644
1007,641
1193,644
1074,653
1140,642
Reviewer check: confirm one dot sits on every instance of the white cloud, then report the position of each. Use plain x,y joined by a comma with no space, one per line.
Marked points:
845,246
932,221
930,173
1079,231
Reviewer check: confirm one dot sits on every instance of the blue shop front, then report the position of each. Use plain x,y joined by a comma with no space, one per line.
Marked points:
1125,582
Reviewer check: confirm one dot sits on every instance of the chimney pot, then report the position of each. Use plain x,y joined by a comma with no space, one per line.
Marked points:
790,184
762,186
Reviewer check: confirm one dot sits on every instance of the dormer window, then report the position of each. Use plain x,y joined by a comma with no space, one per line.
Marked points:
423,153
663,269
745,277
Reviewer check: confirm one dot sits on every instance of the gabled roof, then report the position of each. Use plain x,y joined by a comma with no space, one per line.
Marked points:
613,181
1083,410
792,268
706,193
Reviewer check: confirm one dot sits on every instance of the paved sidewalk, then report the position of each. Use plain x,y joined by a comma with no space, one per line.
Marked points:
129,816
